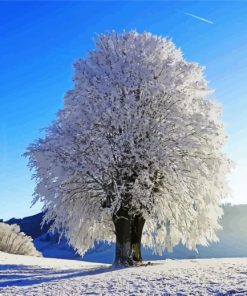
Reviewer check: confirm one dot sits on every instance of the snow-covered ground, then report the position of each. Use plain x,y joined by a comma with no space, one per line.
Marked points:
23,275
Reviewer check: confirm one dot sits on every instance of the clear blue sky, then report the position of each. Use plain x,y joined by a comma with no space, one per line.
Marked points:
39,41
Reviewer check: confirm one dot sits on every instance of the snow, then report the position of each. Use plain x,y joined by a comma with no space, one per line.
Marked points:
24,275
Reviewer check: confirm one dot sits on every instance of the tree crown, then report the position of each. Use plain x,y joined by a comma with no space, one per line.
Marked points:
137,131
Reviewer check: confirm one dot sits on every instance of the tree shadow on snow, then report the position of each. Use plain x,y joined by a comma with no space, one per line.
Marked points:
21,275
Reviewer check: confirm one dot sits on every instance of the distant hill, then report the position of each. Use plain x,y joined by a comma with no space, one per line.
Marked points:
233,240
233,236
47,243
31,225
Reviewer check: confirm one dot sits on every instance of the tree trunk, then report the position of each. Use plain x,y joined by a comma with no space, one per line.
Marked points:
122,222
128,237
136,236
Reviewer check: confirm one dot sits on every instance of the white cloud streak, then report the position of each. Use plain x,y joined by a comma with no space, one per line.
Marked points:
199,18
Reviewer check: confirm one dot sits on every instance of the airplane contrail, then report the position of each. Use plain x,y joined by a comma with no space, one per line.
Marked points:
199,18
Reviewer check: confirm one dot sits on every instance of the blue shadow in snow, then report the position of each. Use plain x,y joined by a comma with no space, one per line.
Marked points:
21,275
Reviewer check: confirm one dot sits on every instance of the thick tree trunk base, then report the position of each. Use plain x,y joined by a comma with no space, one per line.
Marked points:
128,239
136,236
123,254
119,265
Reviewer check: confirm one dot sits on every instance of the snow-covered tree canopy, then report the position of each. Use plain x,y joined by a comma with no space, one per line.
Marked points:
137,131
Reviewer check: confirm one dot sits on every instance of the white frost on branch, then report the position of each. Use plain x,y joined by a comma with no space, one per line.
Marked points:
138,128
13,241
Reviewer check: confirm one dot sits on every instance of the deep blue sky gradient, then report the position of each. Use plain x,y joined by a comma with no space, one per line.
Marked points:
39,41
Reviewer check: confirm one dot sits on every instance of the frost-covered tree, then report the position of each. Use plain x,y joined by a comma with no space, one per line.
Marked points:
137,144
13,241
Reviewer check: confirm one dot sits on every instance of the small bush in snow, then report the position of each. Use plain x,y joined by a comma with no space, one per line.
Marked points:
15,242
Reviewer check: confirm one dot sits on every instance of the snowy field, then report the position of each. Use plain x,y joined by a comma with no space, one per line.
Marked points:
24,275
